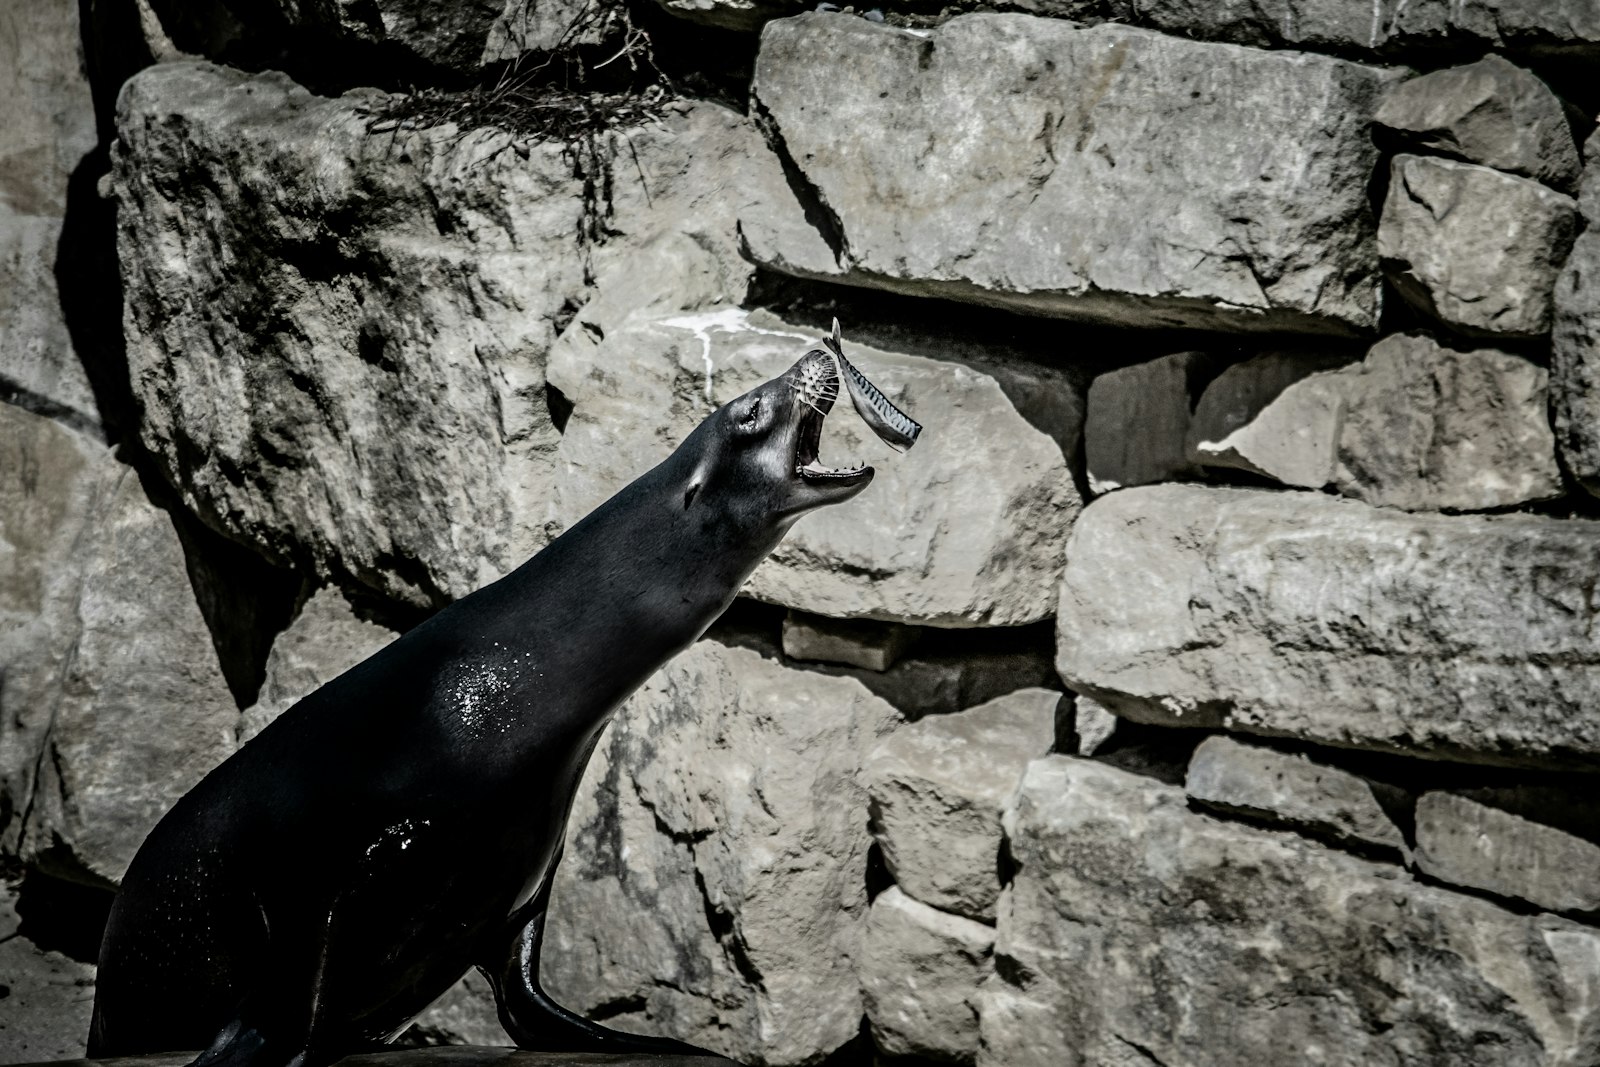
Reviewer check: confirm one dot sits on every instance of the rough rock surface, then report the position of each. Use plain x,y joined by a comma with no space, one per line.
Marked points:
1575,363
113,704
1385,27
1427,427
1466,843
1093,723
48,997
873,646
1276,414
938,787
456,36
465,1015
920,973
325,639
1491,112
1107,173
339,335
49,128
714,885
965,529
1299,615
1267,784
1136,427
1415,425
1207,942
1474,248
1589,185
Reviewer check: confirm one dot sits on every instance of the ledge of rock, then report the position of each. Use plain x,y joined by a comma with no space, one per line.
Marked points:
448,1056
1110,174
1463,637
1474,248
114,703
339,335
714,882
1491,112
1138,931
1382,28
965,529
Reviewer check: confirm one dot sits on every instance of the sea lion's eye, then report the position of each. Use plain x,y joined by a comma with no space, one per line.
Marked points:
755,410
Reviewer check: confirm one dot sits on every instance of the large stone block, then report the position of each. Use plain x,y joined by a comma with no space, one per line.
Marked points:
113,703
1414,425
49,128
938,787
965,529
1383,28
1276,415
1466,843
1427,427
1138,931
338,335
714,885
1575,362
920,973
1109,173
1275,786
1491,112
1456,636
1474,248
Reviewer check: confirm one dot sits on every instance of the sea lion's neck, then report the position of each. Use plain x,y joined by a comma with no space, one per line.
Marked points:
635,582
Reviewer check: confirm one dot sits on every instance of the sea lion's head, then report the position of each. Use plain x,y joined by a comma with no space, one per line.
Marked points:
768,441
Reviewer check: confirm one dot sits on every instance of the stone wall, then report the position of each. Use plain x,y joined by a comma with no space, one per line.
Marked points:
1217,682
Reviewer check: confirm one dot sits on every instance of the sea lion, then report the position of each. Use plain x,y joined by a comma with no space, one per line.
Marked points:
401,825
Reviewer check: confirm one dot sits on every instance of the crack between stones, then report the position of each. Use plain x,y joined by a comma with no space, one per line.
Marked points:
817,211
1143,1052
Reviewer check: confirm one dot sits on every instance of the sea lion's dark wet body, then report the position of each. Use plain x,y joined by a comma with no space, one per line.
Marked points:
401,824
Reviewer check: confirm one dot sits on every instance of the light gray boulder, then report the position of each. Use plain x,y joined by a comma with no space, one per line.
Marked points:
325,639
456,36
1589,184
873,646
465,1015
48,996
1491,112
1567,28
714,884
1428,427
338,333
920,973
1575,363
1276,414
1294,614
1138,931
1264,783
965,529
1094,723
938,787
49,128
1415,425
1474,248
1463,842
1109,173
114,704
1136,427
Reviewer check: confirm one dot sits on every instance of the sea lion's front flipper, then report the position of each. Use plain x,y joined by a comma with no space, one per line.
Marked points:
539,1024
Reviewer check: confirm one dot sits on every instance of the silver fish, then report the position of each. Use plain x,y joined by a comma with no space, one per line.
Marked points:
897,429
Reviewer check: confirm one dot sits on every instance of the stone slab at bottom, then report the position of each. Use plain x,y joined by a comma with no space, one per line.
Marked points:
448,1056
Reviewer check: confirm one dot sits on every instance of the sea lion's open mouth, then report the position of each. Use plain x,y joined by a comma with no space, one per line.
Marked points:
815,380
817,385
